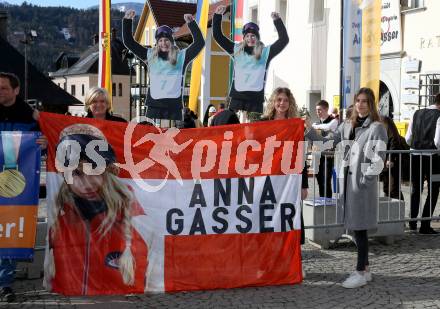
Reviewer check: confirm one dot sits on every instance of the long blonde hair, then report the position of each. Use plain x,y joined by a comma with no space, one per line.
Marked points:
257,52
92,94
270,111
172,53
118,199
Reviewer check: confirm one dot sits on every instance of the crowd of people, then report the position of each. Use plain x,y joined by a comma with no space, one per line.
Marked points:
358,190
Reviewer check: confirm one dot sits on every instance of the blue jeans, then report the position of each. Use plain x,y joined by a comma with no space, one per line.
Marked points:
7,269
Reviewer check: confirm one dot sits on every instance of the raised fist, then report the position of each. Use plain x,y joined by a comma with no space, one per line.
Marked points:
188,18
221,9
275,15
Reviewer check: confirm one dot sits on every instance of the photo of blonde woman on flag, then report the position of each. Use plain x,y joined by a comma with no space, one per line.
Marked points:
93,245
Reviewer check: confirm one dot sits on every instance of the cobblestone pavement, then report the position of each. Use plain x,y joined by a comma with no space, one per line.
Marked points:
406,275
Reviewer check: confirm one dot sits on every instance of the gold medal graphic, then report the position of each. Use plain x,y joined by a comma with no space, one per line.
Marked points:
12,183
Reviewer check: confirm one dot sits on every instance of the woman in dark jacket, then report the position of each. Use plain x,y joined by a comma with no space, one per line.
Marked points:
98,105
390,174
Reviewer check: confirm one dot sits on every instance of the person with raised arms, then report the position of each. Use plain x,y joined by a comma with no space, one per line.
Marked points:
251,61
166,66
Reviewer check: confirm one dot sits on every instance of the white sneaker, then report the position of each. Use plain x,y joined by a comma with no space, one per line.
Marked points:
368,276
355,280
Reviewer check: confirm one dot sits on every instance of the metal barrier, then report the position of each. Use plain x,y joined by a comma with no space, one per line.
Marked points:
404,171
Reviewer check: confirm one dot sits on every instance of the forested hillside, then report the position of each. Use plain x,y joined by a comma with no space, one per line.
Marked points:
59,29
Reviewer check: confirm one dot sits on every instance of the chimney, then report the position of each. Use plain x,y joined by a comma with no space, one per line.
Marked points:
4,24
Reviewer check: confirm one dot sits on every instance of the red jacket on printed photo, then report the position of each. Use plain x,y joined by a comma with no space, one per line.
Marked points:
86,263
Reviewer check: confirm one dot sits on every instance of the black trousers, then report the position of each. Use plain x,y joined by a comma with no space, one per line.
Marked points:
324,176
420,173
361,239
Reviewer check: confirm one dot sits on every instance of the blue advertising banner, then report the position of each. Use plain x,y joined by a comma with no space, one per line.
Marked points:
20,161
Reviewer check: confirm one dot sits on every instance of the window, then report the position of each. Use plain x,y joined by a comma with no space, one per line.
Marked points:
113,89
120,89
254,14
153,38
407,5
72,90
147,36
83,90
282,9
316,11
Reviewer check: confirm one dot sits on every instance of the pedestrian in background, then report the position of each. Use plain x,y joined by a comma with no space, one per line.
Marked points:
358,186
326,124
424,134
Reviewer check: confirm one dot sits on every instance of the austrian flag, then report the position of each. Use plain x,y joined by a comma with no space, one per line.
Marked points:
135,208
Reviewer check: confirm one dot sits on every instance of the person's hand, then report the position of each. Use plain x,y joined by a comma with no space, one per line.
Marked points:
130,14
389,164
275,15
42,141
304,193
188,18
36,115
307,123
221,9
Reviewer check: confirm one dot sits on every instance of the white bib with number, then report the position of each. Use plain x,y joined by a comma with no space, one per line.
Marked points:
165,78
249,73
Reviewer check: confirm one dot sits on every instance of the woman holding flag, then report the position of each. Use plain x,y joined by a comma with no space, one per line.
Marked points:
282,105
166,66
251,61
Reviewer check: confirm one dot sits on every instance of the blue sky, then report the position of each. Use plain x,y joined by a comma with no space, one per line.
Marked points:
80,4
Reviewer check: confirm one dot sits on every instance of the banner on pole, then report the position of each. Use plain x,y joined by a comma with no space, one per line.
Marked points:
361,46
196,71
172,210
20,160
105,60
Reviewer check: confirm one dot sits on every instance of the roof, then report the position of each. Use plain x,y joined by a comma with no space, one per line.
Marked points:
184,30
168,13
40,86
89,60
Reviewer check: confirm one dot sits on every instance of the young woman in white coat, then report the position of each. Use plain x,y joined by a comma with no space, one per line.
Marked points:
358,182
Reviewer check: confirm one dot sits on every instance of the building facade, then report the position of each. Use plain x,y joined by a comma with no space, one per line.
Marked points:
311,63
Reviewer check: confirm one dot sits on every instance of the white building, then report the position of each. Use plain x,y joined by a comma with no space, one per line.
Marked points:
77,75
311,63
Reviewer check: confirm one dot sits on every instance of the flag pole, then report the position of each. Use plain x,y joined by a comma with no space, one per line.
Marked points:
105,62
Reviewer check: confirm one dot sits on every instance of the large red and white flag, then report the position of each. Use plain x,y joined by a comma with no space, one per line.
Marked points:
134,208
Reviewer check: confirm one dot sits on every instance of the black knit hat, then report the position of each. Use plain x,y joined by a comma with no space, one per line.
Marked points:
164,32
251,27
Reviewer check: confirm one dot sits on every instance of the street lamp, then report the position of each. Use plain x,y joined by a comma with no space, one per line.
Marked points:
130,60
29,37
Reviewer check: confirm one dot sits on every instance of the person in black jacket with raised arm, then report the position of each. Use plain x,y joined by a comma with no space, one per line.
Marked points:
251,60
166,66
